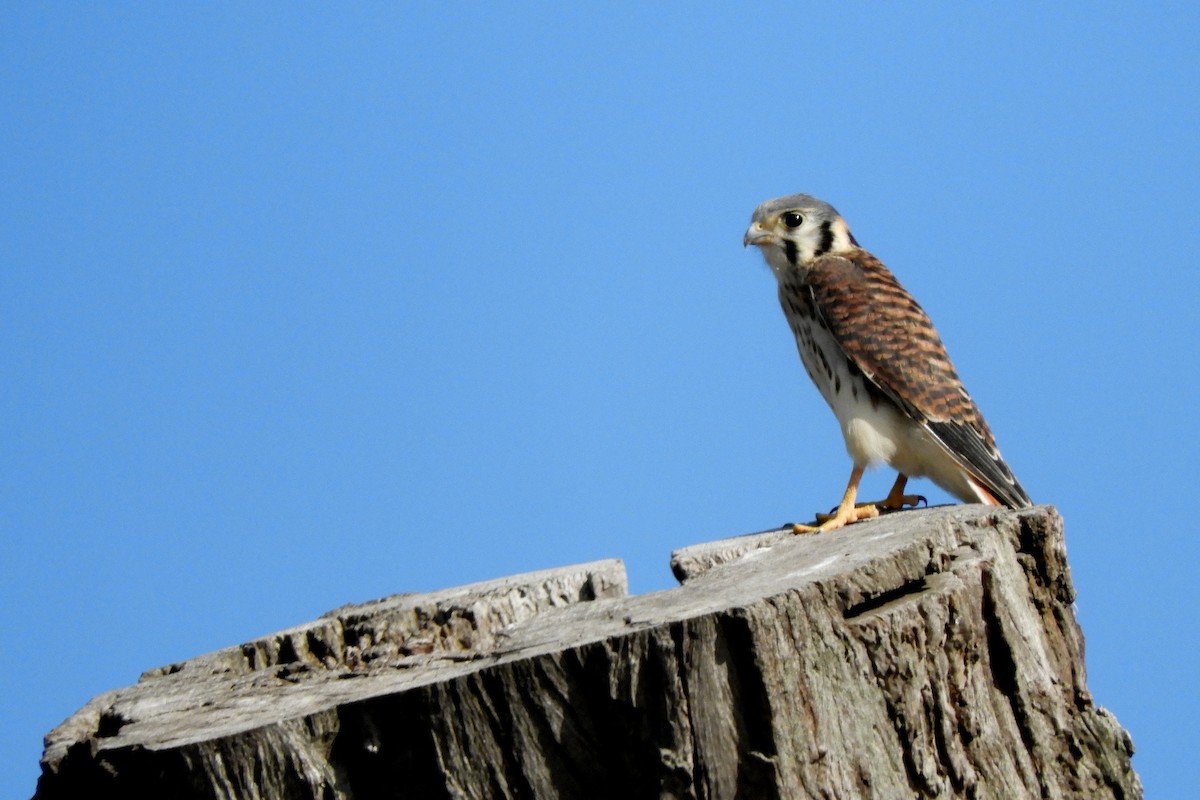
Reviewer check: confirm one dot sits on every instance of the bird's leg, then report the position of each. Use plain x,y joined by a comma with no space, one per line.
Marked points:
847,511
897,499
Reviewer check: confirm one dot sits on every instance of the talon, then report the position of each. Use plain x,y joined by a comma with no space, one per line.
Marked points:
846,511
897,499
844,517
903,502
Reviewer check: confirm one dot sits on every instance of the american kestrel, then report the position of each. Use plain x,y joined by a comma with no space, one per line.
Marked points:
878,362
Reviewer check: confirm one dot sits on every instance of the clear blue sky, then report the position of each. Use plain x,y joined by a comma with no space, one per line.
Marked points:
303,307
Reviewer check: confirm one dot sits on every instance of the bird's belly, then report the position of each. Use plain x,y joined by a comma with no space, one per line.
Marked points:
875,431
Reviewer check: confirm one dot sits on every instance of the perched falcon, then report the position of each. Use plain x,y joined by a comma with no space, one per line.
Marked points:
877,360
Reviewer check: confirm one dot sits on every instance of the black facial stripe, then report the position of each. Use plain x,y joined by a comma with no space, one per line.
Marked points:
789,249
853,241
826,238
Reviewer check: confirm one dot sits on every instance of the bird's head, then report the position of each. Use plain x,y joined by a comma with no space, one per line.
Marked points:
793,231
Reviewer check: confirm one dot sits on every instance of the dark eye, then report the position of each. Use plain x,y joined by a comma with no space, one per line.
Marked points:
792,219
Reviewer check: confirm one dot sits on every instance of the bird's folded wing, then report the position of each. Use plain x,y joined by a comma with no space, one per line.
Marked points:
886,334
981,460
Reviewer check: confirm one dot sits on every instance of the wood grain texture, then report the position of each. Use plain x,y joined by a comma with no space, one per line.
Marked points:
930,653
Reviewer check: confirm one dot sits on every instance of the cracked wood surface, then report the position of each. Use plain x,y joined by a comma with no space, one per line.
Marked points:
929,653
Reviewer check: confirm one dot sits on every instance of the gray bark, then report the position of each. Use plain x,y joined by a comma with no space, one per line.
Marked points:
929,653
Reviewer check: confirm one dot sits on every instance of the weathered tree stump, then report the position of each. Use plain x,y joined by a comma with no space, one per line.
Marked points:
929,653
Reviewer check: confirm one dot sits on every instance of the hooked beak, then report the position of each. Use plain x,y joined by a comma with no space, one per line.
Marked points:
757,235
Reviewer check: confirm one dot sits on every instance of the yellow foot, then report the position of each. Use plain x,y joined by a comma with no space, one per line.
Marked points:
899,501
845,515
888,504
848,511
